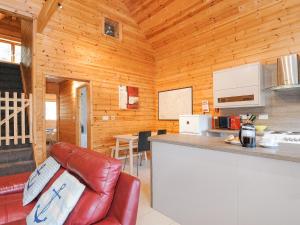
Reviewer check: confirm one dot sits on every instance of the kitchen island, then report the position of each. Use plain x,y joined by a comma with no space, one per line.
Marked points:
202,180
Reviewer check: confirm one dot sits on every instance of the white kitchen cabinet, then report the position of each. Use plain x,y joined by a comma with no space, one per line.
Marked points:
269,191
200,186
239,87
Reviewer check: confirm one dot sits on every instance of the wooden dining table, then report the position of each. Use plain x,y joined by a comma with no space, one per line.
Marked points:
132,140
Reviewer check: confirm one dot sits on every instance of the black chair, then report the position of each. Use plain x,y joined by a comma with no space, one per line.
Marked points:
161,132
143,146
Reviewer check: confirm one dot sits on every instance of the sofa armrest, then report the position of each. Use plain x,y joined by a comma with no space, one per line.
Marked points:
13,184
126,200
108,221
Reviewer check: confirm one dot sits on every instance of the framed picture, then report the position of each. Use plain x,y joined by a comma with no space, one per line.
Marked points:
175,102
112,28
128,97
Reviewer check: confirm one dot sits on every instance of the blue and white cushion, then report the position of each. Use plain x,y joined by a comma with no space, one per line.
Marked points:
39,179
55,205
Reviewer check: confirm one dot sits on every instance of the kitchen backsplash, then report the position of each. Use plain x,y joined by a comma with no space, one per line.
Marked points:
282,107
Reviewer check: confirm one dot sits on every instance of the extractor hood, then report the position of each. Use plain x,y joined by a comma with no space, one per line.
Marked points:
288,76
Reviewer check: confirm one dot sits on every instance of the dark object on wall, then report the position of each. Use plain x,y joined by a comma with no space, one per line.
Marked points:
161,132
111,28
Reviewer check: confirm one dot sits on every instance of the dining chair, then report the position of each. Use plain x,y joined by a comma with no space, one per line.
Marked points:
161,132
143,147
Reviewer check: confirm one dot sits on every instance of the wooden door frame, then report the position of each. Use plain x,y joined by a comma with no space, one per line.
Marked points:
87,85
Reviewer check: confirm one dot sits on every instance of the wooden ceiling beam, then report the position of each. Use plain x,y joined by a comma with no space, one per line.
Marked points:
49,8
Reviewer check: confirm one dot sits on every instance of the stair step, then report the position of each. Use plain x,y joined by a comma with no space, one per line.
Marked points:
10,78
16,155
12,146
17,167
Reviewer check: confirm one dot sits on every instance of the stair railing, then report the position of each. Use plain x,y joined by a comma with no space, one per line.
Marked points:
11,112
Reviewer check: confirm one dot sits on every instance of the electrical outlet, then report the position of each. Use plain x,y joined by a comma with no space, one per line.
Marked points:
105,118
263,117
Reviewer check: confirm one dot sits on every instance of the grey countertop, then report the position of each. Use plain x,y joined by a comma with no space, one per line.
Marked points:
218,144
228,132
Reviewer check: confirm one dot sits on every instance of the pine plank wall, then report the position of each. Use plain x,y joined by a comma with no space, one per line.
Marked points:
166,44
193,38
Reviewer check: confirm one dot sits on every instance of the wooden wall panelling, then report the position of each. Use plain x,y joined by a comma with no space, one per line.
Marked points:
81,52
26,54
188,52
67,112
72,46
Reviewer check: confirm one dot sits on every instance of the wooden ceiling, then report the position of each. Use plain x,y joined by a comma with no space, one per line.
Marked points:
23,7
10,27
165,21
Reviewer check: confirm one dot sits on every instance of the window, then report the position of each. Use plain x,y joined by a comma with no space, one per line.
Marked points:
5,52
111,28
10,52
50,110
17,53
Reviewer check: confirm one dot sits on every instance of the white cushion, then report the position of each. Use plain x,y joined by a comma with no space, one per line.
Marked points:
56,204
39,179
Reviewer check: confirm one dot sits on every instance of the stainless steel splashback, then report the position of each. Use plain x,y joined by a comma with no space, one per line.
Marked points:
288,71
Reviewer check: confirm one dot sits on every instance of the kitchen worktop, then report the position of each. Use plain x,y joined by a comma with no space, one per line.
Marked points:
233,132
218,144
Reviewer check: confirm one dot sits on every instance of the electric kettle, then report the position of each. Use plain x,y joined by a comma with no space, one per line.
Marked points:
248,135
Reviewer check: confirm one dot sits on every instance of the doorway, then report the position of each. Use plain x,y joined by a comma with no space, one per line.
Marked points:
82,115
73,110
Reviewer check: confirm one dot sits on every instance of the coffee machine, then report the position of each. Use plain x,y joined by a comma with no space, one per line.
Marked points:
248,135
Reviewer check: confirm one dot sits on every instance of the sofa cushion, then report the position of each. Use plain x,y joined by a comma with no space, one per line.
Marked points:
101,174
13,183
39,178
12,209
54,206
61,152
91,208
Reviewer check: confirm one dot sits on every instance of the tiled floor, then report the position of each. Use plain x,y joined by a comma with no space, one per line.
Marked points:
147,215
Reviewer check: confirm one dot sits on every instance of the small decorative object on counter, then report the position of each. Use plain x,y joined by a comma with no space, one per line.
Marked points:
215,122
235,122
231,139
248,135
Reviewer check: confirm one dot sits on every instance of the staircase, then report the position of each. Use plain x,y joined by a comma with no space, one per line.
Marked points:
16,154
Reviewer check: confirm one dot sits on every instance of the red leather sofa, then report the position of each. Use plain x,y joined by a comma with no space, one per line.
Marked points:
110,198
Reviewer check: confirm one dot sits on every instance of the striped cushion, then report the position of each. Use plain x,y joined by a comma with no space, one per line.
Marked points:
38,179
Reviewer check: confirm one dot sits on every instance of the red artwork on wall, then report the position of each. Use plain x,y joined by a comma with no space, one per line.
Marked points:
133,98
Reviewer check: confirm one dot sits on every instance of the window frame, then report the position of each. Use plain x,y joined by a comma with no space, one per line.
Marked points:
13,45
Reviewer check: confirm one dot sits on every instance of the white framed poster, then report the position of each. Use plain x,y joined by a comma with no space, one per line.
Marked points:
176,102
123,97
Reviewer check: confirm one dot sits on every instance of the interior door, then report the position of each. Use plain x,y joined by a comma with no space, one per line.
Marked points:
83,116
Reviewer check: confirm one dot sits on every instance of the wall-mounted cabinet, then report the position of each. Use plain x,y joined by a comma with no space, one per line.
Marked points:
239,87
